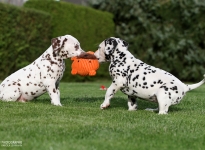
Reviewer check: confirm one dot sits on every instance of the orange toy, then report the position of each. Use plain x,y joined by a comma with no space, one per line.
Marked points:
85,64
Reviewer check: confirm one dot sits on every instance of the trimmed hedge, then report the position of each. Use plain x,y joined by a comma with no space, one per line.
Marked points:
24,36
88,25
168,34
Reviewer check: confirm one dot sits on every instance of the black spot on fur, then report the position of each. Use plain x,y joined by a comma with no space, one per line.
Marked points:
32,93
160,82
136,77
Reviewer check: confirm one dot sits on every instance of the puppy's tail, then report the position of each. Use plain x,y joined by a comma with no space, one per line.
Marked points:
194,86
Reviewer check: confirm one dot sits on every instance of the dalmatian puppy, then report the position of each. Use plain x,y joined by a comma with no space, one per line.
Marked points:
138,79
42,75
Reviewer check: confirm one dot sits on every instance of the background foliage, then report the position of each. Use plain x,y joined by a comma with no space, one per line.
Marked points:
25,33
88,25
22,40
168,34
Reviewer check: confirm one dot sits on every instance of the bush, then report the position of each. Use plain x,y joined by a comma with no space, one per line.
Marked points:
88,25
168,34
24,36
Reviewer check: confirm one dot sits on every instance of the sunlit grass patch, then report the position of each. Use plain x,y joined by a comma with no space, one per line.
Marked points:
80,124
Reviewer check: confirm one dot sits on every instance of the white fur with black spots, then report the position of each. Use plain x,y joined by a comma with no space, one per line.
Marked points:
42,75
138,79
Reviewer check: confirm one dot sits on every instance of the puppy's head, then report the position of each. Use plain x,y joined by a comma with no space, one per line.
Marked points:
66,47
107,48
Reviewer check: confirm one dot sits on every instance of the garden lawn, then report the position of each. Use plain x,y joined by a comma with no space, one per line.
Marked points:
81,125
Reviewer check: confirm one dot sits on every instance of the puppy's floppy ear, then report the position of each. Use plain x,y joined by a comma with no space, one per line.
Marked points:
58,44
110,45
126,44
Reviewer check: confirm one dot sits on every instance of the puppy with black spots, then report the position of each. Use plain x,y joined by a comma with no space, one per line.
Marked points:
138,79
42,75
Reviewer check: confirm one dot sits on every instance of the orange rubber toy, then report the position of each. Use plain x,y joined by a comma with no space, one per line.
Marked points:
85,64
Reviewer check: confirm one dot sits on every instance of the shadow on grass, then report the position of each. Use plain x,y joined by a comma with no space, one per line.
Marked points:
119,102
116,102
143,104
87,99
41,101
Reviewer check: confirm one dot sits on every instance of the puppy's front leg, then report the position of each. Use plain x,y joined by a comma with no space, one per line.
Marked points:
54,94
109,94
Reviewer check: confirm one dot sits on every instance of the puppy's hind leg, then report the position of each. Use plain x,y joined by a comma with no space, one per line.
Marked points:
10,93
21,99
164,101
153,99
132,103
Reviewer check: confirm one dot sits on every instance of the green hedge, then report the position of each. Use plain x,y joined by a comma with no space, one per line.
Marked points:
24,36
88,25
168,34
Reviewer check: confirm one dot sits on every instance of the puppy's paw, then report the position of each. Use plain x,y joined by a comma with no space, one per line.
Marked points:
133,108
56,104
104,106
163,113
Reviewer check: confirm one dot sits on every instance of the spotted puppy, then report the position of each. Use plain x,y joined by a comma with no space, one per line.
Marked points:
43,75
137,79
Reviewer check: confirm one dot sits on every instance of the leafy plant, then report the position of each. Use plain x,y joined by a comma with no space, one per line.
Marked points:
168,34
24,35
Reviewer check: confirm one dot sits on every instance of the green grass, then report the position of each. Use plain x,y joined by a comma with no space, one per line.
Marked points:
81,125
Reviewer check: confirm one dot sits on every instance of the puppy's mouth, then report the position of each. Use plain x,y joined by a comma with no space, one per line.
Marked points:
81,52
101,61
98,59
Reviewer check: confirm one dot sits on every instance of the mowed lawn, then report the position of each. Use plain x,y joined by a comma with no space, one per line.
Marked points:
81,125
